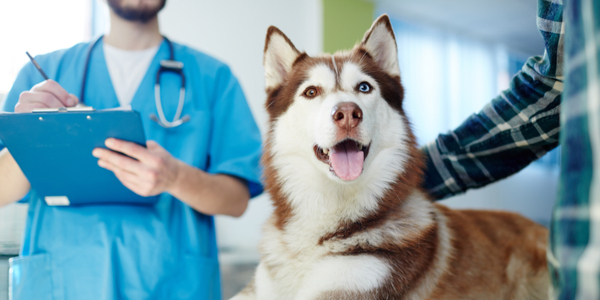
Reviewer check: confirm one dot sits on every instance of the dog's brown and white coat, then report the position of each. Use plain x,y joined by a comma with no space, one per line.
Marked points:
350,222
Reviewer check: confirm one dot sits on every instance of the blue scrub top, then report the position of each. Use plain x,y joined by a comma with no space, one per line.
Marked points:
163,251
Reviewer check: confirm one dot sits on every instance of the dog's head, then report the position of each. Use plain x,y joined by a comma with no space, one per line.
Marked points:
337,118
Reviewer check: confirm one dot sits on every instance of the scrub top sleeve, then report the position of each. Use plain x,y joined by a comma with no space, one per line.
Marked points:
235,145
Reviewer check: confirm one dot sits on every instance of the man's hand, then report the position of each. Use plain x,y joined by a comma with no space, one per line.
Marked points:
154,172
47,94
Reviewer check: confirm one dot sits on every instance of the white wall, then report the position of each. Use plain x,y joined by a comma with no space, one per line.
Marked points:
234,32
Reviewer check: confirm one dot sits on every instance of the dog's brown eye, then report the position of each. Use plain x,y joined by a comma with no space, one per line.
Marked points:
311,92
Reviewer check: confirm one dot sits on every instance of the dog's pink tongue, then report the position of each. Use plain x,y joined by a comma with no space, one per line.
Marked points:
347,161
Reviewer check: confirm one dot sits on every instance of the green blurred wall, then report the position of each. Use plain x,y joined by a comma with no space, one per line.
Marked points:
345,22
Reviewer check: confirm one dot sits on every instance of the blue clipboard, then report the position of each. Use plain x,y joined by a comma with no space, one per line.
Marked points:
54,151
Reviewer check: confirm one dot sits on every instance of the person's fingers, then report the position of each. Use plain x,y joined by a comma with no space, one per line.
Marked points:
154,147
133,186
47,94
122,162
75,99
129,180
117,169
28,107
52,87
134,150
152,144
46,99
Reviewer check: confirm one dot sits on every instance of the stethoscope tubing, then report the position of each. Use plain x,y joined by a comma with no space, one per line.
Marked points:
166,66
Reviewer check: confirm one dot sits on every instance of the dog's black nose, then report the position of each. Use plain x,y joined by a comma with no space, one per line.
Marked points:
347,115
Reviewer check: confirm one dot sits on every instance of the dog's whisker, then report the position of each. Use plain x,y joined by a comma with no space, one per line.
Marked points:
363,56
335,68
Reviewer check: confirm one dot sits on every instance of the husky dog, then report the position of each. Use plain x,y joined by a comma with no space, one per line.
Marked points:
351,221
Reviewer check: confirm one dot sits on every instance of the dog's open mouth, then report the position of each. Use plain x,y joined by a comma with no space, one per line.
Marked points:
345,159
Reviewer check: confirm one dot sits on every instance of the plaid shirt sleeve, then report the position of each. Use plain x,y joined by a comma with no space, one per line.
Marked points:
574,248
516,128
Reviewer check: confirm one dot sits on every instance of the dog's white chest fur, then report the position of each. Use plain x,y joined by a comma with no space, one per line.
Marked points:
308,277
305,275
295,265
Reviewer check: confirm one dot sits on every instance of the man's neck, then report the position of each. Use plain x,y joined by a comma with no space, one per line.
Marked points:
129,35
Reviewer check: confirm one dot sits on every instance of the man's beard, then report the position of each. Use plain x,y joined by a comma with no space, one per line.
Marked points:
142,15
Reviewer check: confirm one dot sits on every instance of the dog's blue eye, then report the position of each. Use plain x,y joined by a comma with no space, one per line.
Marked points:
364,87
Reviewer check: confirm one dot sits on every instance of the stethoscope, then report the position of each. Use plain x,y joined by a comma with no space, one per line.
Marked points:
170,65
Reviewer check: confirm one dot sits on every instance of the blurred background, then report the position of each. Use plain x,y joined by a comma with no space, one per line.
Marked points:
455,56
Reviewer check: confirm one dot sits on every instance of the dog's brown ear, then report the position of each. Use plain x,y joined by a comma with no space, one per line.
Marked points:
280,55
380,43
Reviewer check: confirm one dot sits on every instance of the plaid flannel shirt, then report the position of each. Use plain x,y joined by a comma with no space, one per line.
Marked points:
516,128
522,124
574,254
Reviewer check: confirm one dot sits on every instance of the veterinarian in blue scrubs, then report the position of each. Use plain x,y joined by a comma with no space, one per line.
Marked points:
162,251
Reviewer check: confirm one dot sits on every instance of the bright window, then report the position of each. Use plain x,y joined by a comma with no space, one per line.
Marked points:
446,77
38,26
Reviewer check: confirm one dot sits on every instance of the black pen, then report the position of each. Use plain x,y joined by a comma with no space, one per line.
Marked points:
37,66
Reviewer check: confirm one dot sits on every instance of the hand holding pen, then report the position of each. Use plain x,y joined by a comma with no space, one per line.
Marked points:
46,94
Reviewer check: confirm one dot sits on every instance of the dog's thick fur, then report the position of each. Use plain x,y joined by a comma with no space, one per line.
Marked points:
334,235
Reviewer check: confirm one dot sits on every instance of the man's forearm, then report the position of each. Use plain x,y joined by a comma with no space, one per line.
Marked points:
210,194
13,183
